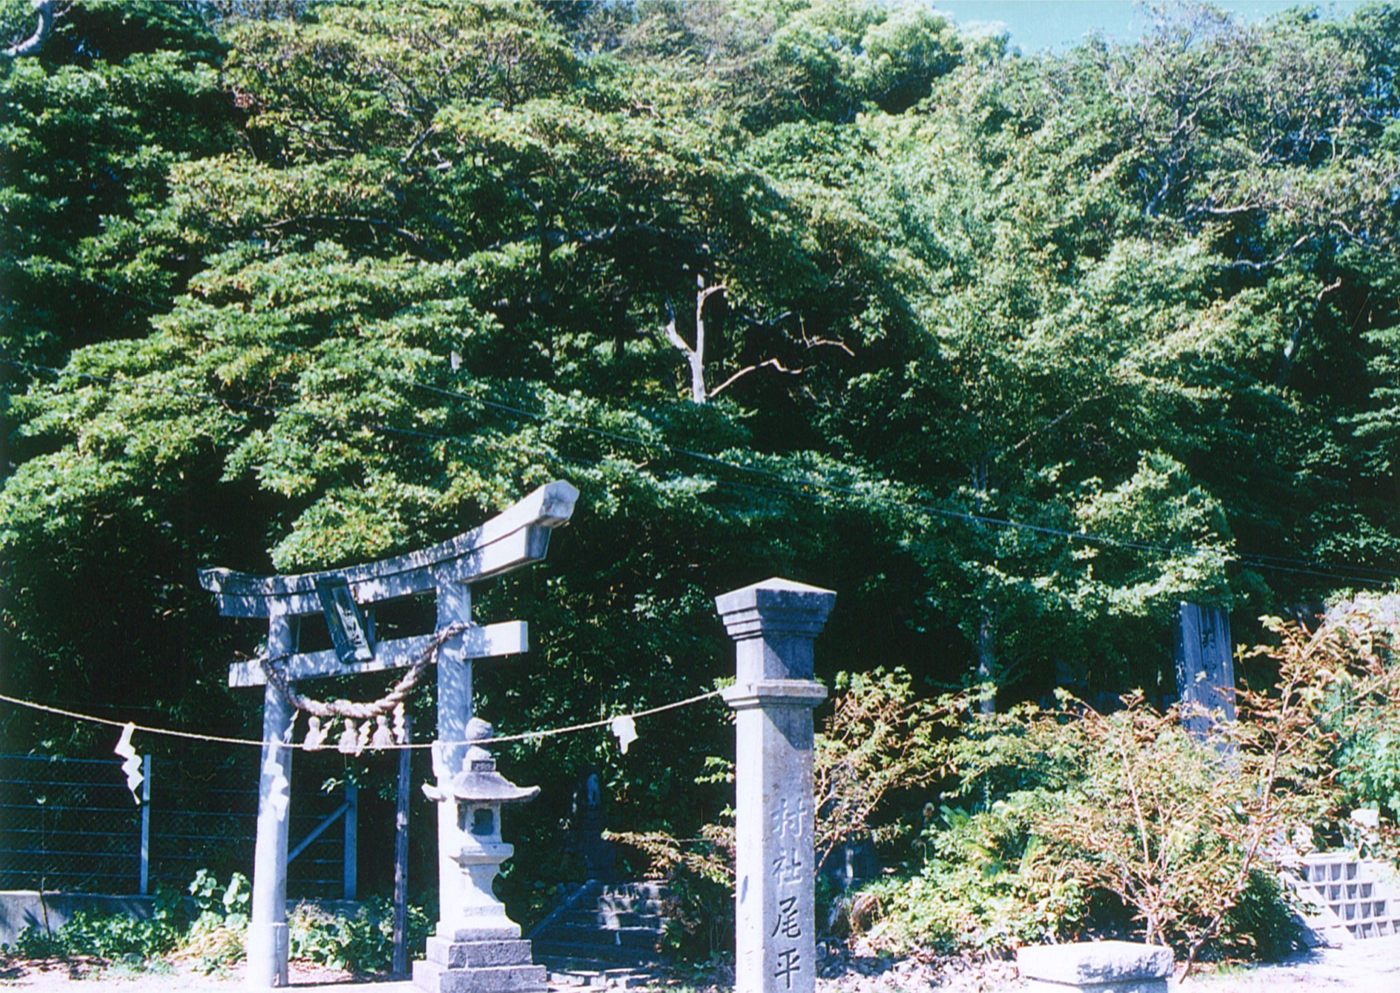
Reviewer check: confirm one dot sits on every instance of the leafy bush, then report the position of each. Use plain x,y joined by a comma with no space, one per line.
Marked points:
216,936
699,874
1128,805
877,740
213,934
1365,720
361,944
210,927
102,936
988,885
1260,925
1131,805
1369,764
210,930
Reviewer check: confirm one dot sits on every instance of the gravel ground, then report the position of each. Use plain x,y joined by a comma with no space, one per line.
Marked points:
1371,966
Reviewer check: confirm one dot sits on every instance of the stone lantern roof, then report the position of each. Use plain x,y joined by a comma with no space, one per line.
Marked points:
479,782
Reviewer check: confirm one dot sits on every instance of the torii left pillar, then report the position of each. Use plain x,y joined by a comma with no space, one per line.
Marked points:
267,929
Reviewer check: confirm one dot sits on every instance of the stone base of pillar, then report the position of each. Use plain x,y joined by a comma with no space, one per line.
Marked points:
479,965
268,948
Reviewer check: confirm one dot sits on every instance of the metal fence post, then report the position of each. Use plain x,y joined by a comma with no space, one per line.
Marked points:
351,855
145,824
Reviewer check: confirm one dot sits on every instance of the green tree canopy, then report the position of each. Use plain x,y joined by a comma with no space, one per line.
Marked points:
1014,353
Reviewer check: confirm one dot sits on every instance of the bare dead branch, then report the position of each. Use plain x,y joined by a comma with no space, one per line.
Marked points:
766,363
777,364
44,11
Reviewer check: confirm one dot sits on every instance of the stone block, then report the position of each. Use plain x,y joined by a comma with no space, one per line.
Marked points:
776,607
505,932
473,954
1094,965
1128,986
488,979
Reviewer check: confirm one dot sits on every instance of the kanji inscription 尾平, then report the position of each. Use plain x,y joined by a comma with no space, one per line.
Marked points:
791,827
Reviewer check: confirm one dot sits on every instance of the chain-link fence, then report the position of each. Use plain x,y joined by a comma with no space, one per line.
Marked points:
69,824
72,825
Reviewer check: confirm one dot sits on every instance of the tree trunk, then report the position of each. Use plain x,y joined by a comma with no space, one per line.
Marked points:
694,355
697,355
697,377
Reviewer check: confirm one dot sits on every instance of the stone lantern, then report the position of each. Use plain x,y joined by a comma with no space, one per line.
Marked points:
477,947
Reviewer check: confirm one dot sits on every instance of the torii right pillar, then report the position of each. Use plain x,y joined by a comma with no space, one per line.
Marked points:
774,624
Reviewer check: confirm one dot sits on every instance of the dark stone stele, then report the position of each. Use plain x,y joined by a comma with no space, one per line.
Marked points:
587,822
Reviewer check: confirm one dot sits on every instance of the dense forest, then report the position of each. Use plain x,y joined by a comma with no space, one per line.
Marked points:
1013,353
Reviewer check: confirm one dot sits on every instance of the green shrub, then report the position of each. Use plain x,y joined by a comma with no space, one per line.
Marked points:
361,944
700,918
1130,808
1364,713
212,934
988,885
1369,767
699,874
1261,925
216,936
875,743
210,930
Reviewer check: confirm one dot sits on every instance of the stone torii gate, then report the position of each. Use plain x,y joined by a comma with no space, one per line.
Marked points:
516,537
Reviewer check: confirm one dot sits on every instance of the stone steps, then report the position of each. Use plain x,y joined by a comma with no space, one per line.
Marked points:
611,919
599,952
612,905
568,975
1348,897
648,888
603,936
641,938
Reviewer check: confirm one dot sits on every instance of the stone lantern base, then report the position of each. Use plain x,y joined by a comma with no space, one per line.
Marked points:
480,960
477,948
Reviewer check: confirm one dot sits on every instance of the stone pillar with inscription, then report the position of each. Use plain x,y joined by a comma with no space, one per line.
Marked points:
774,624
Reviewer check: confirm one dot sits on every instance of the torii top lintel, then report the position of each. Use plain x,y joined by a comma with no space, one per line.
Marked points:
517,536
